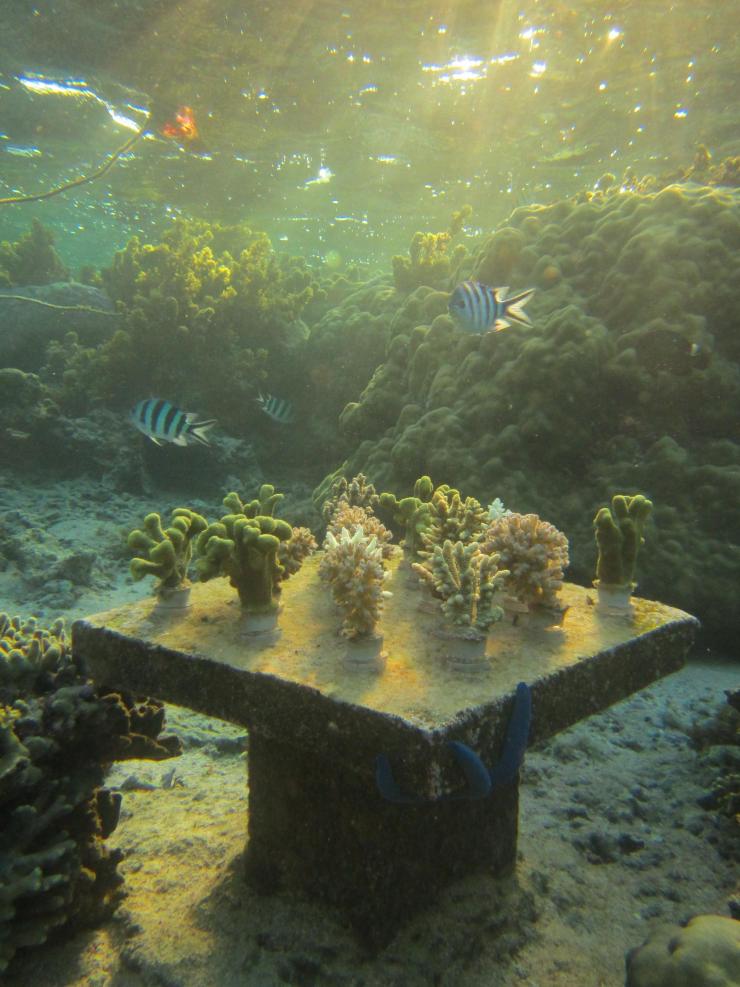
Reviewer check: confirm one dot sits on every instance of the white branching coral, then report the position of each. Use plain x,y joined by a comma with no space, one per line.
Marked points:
353,517
534,552
496,510
353,565
465,579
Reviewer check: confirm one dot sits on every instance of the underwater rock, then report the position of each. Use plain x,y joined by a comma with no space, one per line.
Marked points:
32,316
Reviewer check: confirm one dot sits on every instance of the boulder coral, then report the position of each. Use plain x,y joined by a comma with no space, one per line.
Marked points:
705,952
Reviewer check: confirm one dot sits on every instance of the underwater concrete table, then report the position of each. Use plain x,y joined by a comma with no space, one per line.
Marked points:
318,823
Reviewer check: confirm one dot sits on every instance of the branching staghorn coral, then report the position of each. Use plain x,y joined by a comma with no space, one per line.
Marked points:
168,550
453,519
465,579
352,518
356,492
535,554
353,565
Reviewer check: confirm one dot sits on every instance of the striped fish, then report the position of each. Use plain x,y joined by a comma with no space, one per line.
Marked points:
478,308
162,422
278,409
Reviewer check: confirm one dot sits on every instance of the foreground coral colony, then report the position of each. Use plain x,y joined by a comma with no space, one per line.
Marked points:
369,382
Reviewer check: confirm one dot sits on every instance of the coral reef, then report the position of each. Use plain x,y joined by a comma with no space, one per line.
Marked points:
32,259
534,554
353,566
245,548
465,579
619,536
37,317
168,550
429,262
27,411
57,735
624,379
195,316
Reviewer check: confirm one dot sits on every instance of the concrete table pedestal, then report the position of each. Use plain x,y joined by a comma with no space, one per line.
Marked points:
317,821
328,834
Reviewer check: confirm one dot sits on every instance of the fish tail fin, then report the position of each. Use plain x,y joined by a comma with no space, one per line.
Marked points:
198,429
514,307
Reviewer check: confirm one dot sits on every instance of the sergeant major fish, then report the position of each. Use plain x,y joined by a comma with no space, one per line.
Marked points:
278,409
162,422
478,308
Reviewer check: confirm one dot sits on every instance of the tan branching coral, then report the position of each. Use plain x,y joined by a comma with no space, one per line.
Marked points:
465,579
356,492
534,552
454,519
352,518
292,553
353,565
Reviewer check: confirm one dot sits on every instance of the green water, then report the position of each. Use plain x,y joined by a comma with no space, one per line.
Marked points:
345,127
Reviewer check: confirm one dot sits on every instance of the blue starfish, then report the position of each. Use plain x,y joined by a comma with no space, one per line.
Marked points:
480,781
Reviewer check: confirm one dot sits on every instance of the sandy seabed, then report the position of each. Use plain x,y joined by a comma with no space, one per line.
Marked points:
612,841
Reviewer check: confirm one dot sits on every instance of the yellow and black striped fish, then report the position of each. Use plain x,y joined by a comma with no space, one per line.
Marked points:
478,308
278,409
162,422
